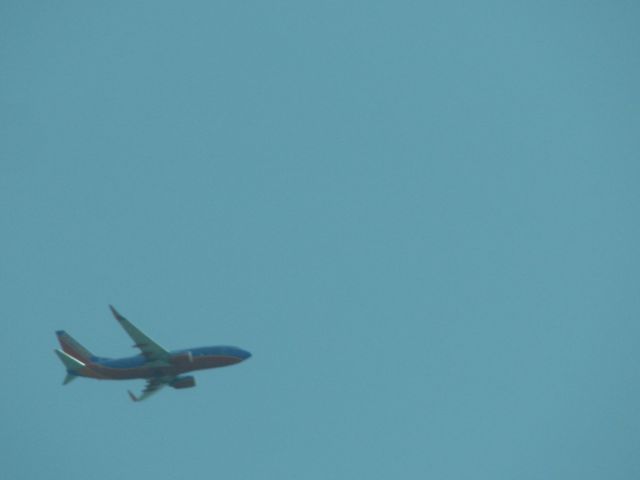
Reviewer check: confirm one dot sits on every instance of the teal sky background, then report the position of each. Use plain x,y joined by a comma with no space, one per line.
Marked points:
420,217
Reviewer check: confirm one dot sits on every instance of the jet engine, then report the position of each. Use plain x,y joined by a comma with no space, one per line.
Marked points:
183,382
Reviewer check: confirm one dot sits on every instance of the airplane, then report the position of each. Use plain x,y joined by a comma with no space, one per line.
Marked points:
158,366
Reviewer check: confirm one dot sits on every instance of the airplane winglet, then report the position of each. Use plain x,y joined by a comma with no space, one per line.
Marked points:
133,397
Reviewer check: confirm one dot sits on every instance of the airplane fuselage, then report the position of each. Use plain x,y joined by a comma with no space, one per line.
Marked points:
180,361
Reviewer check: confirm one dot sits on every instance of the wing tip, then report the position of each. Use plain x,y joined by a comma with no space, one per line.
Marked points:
132,396
115,313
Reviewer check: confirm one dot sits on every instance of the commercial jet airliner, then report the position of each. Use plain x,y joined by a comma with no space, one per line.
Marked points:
155,364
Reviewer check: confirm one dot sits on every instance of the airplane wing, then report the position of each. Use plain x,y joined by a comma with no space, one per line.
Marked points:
152,386
149,348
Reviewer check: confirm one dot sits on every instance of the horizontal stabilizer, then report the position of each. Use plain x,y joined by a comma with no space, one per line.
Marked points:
72,364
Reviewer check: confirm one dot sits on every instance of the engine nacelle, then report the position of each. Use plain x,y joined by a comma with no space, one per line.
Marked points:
183,358
183,382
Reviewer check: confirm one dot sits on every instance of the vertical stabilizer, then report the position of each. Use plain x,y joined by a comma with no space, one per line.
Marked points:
72,347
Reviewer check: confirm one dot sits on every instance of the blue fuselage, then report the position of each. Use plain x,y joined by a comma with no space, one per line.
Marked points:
180,361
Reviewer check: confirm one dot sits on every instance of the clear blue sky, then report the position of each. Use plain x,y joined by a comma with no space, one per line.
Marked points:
420,217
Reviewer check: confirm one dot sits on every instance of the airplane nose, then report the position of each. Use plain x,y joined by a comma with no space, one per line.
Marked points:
243,354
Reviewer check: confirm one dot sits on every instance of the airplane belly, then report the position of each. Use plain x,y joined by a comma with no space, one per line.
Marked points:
214,361
132,373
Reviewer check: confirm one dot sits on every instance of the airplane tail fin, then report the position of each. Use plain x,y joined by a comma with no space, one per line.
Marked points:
72,347
73,365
